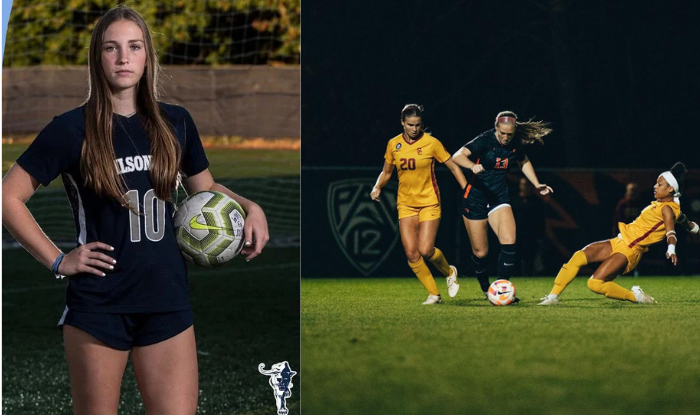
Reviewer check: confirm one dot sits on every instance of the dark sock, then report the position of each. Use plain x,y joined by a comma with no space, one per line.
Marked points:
480,271
506,262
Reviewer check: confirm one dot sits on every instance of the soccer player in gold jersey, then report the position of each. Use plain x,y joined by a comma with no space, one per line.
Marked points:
414,153
621,255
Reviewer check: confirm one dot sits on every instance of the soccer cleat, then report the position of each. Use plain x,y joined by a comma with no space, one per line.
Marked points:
433,299
549,300
641,296
452,284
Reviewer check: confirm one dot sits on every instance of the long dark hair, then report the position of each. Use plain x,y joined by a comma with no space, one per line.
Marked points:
528,132
97,155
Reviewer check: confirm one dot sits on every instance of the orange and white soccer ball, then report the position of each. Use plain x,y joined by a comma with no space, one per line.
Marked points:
501,292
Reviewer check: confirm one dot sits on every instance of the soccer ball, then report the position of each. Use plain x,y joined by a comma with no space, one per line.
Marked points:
209,228
501,292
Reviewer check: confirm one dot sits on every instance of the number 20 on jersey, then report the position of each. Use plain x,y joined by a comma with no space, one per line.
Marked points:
407,164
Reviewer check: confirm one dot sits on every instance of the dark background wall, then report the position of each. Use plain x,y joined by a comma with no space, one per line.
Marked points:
618,79
346,234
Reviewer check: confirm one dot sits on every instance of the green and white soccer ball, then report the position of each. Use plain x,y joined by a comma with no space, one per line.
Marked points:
209,228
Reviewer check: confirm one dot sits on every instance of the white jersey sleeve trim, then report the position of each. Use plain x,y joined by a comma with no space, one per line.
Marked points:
81,212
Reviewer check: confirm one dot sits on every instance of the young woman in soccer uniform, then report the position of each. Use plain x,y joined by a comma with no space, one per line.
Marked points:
413,153
486,199
120,155
620,255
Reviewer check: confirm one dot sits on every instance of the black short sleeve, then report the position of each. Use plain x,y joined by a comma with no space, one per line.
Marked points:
478,145
54,149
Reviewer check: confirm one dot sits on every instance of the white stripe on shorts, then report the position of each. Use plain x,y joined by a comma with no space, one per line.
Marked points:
498,207
63,317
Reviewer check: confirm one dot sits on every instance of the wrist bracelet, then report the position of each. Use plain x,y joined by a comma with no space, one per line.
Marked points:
695,229
57,262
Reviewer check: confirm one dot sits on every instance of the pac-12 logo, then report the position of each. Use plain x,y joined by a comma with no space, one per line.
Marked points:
281,382
365,230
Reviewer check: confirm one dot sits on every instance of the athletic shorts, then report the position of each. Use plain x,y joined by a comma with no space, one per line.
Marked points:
125,331
633,255
424,213
478,205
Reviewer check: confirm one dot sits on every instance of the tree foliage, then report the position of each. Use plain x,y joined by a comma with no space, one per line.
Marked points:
203,32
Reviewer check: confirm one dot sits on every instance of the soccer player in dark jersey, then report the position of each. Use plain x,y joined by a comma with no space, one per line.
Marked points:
121,156
414,153
486,198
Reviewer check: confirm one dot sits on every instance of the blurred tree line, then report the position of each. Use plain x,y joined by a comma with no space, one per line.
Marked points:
189,32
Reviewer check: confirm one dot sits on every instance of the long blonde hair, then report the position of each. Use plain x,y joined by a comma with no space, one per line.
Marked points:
527,132
97,164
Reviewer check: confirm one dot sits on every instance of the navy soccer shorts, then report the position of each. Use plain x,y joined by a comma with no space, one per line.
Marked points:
125,331
478,204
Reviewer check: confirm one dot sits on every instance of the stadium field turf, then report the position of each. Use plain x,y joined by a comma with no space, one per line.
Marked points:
245,314
369,346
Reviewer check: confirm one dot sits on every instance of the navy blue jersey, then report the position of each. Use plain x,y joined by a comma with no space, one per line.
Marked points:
150,274
496,159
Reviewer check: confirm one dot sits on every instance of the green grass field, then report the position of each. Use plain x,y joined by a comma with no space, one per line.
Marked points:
245,314
370,347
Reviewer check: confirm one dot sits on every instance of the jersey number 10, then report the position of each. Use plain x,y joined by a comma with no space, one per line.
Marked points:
153,216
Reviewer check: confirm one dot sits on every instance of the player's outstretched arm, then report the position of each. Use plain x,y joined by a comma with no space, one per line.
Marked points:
669,222
17,187
255,226
529,172
688,224
382,180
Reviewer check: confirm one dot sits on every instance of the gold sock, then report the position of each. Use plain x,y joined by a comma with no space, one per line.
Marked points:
611,290
568,272
438,259
423,273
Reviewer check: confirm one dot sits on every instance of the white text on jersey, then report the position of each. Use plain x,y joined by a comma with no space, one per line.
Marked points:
131,164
